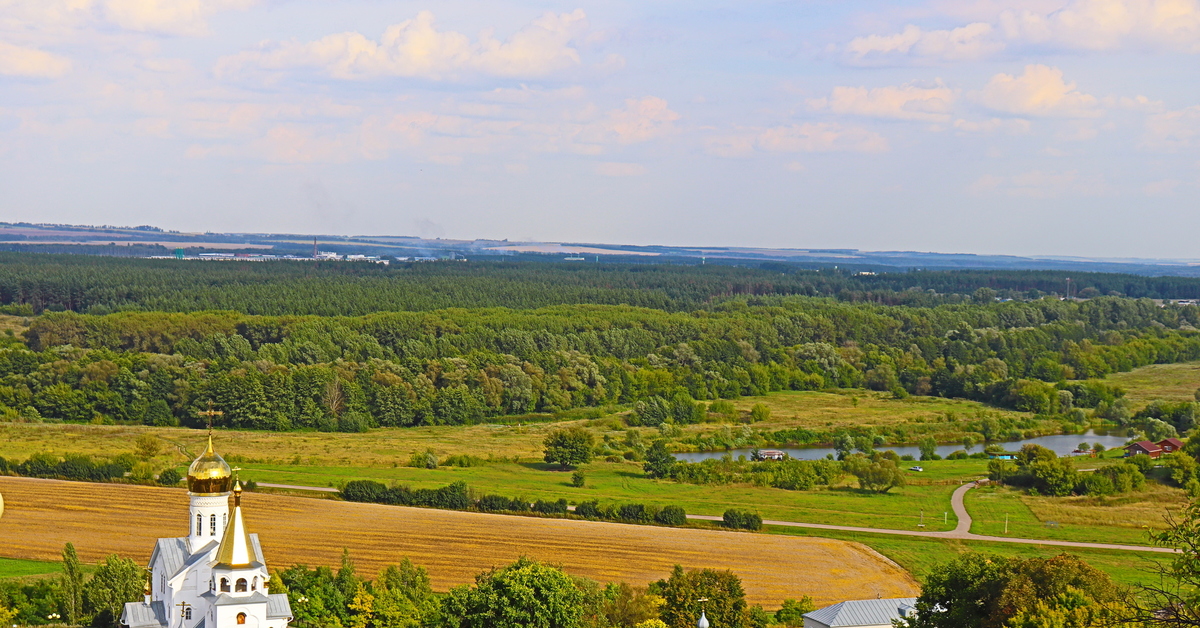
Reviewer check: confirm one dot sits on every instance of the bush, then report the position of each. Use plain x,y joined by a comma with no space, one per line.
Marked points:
462,460
364,491
671,516
551,508
741,520
498,503
1143,462
423,460
569,447
588,510
633,513
760,412
578,479
169,477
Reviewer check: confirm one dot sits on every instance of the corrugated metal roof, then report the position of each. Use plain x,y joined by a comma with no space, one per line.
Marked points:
879,612
278,606
142,615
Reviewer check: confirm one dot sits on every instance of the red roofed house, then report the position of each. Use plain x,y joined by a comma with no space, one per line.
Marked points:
1170,445
1143,447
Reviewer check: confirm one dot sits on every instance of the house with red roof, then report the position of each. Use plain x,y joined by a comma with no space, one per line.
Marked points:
1170,445
1143,447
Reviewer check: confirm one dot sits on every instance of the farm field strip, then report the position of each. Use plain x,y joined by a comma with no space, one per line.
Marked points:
454,546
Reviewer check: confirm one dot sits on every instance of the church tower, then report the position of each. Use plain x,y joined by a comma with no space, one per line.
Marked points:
209,480
216,576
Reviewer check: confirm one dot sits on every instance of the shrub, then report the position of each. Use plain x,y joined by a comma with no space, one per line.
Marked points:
364,491
569,447
169,477
423,460
578,479
497,503
760,412
671,516
588,510
551,508
633,513
741,520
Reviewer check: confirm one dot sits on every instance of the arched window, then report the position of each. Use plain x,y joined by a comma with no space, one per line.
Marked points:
212,525
187,613
225,585
240,587
199,524
254,584
212,584
224,520
241,618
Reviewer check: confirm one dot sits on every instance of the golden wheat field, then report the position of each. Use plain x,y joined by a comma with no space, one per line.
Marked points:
42,515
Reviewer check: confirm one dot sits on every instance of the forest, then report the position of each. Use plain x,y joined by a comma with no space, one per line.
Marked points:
463,366
33,283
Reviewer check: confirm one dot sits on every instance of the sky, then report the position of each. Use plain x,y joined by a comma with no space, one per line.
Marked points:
1028,127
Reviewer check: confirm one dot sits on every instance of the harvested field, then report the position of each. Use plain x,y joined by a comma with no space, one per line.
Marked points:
42,515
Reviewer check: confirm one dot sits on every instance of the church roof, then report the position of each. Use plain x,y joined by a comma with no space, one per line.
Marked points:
278,606
862,612
209,474
236,550
142,615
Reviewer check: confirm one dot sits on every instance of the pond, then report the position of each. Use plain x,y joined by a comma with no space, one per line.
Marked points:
1061,444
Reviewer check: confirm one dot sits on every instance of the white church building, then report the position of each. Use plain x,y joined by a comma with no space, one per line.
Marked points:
215,577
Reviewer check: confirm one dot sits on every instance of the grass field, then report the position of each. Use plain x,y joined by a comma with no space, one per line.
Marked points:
922,556
1123,519
18,568
454,546
853,408
1173,382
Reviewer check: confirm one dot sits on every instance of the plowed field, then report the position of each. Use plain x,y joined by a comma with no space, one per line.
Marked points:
42,515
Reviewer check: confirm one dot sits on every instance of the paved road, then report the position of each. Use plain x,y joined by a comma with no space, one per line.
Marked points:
960,531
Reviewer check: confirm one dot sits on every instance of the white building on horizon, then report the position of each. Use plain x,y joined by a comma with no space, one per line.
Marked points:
216,576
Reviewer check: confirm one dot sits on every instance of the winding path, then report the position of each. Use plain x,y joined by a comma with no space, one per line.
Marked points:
961,531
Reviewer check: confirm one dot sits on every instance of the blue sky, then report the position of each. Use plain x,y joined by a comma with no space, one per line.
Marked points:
1065,127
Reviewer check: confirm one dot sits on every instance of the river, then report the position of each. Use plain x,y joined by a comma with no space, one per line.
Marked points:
1061,444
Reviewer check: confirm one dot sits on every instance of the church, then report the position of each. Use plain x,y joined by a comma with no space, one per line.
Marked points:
215,577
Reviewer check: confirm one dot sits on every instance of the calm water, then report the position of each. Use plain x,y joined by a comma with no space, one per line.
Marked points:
1061,444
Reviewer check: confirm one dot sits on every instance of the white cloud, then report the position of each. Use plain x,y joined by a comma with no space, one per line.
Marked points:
184,17
180,17
796,138
1040,91
903,102
21,61
1166,187
1040,184
1077,25
642,120
416,48
619,169
1173,130
1011,126
966,43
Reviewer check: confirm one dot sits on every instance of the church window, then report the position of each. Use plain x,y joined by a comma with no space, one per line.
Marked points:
212,584
212,525
224,520
254,584
187,613
241,586
225,585
241,618
199,524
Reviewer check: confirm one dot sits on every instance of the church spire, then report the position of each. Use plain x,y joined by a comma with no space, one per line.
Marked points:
235,549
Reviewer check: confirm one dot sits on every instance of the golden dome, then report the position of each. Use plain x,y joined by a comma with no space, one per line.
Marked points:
209,474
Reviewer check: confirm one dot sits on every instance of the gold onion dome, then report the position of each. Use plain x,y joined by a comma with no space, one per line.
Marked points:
209,474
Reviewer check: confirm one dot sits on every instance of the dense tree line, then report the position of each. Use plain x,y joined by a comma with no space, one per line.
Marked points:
463,366
104,284
456,496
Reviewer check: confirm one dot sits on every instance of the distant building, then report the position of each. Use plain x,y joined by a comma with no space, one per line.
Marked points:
1170,445
771,454
861,613
1143,447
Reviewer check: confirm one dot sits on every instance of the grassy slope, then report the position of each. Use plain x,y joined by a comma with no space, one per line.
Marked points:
1174,382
